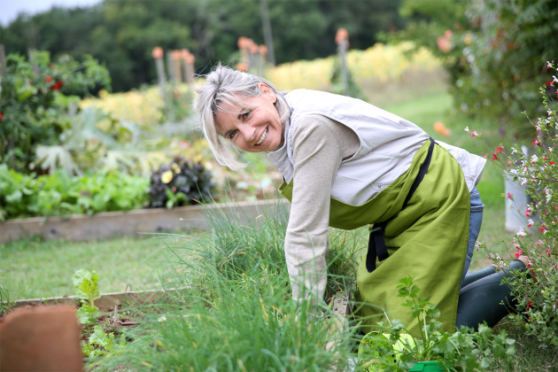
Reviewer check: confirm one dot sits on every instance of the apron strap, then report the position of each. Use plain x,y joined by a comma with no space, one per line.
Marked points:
376,242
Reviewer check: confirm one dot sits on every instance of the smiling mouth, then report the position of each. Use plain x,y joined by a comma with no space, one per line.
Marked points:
263,137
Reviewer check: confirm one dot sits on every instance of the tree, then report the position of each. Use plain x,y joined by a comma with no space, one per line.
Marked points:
122,33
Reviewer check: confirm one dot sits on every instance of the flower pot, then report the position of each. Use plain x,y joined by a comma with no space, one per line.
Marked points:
432,366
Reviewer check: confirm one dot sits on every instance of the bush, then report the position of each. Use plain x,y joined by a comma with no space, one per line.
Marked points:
538,293
494,52
59,195
33,102
179,183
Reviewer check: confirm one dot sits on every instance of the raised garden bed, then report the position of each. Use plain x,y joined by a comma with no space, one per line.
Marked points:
108,224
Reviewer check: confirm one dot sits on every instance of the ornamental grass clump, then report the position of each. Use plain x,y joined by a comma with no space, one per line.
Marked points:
536,290
179,183
237,313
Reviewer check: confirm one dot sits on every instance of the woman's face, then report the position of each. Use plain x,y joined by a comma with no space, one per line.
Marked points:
253,130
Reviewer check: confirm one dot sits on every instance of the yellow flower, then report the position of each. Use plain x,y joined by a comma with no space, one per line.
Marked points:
166,177
175,168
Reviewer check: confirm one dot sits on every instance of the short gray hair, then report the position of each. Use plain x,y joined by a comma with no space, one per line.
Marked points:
222,86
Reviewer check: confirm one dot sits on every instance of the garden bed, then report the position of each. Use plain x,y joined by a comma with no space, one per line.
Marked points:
108,224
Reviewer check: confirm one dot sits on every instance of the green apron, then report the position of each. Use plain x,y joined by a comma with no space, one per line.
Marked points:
426,241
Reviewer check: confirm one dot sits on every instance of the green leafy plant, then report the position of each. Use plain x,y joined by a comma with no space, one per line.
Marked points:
101,343
87,290
494,52
537,290
34,102
179,183
60,195
392,348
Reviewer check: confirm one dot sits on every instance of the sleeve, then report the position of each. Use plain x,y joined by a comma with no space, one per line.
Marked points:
319,146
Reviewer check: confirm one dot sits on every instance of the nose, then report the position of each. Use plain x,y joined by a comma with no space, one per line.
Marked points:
248,132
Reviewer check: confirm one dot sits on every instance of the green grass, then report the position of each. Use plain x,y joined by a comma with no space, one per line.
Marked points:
33,268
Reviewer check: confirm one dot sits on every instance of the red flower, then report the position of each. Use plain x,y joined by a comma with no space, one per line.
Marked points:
536,142
509,163
499,149
1,116
543,227
552,163
548,251
529,305
510,196
494,157
57,86
48,79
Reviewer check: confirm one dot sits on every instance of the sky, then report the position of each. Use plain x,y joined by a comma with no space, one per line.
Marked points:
9,9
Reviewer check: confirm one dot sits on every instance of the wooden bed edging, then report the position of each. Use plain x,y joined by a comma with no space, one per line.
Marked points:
108,224
106,299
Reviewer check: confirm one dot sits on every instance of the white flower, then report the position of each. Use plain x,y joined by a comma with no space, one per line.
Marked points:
162,319
521,233
534,158
466,129
529,222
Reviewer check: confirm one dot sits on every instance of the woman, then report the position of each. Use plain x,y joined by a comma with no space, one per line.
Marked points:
347,164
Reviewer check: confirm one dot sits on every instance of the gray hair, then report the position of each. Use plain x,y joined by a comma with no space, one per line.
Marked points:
222,86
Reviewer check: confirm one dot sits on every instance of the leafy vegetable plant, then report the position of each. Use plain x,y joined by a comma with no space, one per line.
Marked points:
87,290
392,348
105,343
60,195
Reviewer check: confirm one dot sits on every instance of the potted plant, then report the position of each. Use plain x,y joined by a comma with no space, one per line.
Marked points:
392,348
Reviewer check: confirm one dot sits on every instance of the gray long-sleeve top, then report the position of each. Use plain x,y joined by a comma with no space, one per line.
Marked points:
319,146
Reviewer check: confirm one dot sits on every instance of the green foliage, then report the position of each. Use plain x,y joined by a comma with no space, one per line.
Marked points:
122,34
392,349
237,313
537,293
494,52
85,285
179,183
5,301
33,103
101,343
92,140
59,195
87,290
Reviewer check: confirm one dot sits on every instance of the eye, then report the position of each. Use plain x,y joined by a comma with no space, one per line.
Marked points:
232,134
246,115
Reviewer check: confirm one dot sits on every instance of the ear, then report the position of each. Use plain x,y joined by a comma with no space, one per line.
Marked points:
267,92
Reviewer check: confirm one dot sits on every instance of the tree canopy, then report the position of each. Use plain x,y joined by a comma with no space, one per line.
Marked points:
122,33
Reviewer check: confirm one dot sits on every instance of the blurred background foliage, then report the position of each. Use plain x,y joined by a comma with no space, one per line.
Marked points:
88,103
122,33
494,51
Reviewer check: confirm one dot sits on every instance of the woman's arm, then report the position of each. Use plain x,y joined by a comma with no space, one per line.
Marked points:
319,146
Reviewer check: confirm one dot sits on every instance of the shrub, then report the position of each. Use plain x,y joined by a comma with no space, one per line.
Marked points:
33,102
494,52
537,293
179,183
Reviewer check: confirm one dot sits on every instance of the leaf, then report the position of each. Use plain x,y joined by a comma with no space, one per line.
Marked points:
87,314
100,338
86,285
14,197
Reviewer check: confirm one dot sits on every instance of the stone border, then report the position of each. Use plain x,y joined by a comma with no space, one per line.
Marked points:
109,224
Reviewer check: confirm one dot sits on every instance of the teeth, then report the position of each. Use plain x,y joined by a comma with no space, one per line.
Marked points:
263,137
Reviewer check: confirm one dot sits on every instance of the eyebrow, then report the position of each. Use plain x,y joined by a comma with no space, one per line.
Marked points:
239,118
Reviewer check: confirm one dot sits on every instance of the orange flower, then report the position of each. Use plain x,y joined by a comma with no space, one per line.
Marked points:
157,52
242,66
